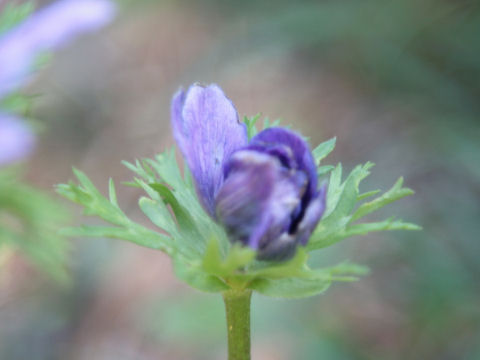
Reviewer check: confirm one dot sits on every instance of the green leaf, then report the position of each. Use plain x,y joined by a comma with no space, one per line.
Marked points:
325,169
389,224
95,204
250,123
290,287
111,192
341,199
327,233
158,214
12,14
237,258
202,254
165,165
367,195
17,104
394,194
348,198
267,124
322,150
335,188
196,278
137,235
346,268
29,220
292,268
184,219
310,282
164,177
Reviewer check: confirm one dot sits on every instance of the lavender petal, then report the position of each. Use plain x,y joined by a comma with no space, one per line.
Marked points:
207,131
16,140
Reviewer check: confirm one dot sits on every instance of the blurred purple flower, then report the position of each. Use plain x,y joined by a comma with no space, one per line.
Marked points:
45,30
16,139
264,192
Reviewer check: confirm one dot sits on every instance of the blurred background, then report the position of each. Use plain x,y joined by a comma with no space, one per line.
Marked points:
398,83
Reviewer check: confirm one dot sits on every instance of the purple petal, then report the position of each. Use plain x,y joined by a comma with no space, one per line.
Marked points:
277,136
312,216
284,246
257,199
16,140
47,30
207,131
282,152
245,195
281,249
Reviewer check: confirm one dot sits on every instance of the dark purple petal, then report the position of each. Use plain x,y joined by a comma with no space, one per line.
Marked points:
16,140
281,248
47,30
244,198
313,214
257,199
282,152
207,131
277,136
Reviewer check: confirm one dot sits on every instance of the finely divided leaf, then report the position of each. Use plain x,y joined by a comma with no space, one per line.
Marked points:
389,224
198,279
158,214
290,287
394,194
309,282
214,263
322,150
250,122
95,203
325,169
137,234
203,256
295,267
342,199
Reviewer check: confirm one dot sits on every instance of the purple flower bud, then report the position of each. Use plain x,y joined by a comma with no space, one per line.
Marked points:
47,30
16,140
264,193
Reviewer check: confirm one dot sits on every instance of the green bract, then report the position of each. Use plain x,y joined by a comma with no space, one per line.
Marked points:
203,256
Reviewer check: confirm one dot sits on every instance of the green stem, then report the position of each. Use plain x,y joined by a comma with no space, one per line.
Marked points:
237,307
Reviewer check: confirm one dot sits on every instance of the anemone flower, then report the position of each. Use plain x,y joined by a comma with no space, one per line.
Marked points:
46,30
263,191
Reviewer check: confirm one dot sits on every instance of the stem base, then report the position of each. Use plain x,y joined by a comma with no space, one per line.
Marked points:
237,307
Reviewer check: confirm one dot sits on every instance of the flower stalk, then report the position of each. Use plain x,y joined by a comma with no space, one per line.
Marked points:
237,308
